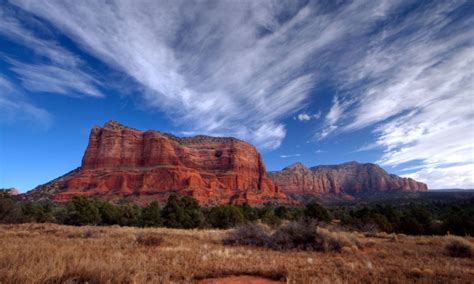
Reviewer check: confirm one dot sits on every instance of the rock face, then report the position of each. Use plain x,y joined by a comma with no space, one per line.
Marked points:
348,179
10,191
122,164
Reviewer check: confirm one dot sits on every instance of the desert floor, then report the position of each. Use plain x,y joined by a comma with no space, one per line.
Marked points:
48,253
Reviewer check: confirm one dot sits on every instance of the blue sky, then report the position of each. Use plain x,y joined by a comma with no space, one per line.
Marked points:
320,82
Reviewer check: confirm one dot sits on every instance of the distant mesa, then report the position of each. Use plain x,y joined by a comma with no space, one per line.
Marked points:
123,164
348,180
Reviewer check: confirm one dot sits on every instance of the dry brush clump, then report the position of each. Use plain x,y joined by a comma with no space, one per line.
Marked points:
293,235
459,247
149,239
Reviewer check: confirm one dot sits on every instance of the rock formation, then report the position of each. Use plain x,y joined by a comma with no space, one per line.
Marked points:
122,164
348,179
10,191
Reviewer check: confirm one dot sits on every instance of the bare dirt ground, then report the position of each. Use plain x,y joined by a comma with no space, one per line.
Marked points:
47,253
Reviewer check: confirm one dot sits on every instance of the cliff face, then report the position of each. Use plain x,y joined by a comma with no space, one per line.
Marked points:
124,164
345,179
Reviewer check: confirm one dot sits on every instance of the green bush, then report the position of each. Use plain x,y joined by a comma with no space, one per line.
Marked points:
225,216
110,214
183,213
131,215
250,213
151,215
317,212
82,211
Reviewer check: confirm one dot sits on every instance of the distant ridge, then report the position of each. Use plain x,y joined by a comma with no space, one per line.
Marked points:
347,181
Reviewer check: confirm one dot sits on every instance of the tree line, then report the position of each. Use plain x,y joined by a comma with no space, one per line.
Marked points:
186,213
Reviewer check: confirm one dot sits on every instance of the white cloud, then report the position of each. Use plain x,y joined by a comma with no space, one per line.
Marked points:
236,68
231,67
307,116
303,117
15,107
447,178
290,156
419,94
60,71
56,79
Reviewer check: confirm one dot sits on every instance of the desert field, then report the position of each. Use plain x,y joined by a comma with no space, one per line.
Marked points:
49,253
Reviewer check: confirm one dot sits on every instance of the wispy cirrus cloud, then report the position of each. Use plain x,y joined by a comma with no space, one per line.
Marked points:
234,68
14,106
241,67
55,69
418,93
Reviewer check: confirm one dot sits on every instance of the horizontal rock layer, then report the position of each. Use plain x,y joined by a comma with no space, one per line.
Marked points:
123,164
345,179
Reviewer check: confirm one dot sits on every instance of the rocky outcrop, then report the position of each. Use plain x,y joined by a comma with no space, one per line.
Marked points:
348,179
122,164
10,191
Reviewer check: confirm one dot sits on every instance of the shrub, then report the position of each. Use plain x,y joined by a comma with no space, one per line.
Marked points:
182,212
459,247
282,212
271,219
130,215
82,211
317,212
149,239
9,211
253,234
301,235
295,235
89,233
110,214
335,241
151,215
225,216
250,213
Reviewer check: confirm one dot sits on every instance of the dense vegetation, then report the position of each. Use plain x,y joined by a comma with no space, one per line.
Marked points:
434,217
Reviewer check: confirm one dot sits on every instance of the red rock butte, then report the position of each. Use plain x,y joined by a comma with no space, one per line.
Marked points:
122,164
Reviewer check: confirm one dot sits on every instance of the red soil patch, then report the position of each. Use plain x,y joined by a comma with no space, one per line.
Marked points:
240,280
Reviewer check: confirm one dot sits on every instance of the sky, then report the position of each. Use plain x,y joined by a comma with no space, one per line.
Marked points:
320,82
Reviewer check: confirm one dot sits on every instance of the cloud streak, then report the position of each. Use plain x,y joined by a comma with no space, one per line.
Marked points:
418,94
14,106
400,68
225,67
59,70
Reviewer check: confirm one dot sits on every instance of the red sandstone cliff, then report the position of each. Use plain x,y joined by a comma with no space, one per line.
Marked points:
348,179
124,164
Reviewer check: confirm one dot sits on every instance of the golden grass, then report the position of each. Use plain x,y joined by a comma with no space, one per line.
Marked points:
47,253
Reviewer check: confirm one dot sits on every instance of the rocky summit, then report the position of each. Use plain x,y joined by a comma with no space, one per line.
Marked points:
122,164
346,180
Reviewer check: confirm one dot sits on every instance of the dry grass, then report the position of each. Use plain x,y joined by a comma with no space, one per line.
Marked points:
459,247
45,253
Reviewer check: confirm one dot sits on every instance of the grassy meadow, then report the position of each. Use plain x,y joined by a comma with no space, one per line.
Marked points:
51,253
